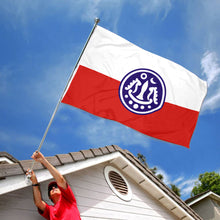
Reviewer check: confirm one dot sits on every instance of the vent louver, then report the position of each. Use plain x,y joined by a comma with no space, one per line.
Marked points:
118,182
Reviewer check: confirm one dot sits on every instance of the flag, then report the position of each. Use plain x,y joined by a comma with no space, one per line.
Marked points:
120,81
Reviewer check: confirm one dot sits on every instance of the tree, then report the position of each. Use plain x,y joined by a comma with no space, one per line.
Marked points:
175,189
160,176
154,170
142,159
207,181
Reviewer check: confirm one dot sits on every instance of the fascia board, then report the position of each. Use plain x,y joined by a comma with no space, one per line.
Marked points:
150,187
211,194
13,183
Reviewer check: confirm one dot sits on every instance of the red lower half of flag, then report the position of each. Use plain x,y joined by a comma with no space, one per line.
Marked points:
98,94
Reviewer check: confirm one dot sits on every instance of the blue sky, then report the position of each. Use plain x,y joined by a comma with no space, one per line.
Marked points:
40,43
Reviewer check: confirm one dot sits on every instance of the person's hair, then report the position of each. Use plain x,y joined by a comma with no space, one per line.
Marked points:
50,187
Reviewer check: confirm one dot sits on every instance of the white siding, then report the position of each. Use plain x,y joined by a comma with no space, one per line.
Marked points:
18,205
206,209
95,200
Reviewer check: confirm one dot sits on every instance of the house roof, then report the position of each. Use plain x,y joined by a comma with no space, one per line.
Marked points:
201,196
123,159
6,158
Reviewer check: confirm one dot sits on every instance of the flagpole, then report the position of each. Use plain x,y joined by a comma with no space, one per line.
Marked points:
56,108
77,62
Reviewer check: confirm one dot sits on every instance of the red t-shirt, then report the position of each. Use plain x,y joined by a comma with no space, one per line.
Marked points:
65,209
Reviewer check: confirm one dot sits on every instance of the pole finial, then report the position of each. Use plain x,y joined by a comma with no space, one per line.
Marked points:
97,20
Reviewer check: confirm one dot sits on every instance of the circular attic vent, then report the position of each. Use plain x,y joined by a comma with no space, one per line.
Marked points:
117,183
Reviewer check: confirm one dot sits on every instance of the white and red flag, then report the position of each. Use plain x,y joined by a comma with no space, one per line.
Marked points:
118,80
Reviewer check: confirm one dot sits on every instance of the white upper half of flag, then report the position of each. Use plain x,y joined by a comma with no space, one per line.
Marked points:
113,56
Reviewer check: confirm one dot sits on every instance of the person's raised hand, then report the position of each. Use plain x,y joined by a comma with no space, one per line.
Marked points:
31,175
38,156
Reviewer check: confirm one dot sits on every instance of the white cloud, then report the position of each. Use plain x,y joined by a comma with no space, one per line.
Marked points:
166,176
102,132
186,186
212,103
203,22
108,10
203,35
211,69
183,183
155,7
55,77
24,12
178,180
15,139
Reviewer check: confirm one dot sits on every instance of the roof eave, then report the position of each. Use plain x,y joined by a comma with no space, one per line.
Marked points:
208,194
154,190
15,182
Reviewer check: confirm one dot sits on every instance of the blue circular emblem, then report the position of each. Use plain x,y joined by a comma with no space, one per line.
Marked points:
142,91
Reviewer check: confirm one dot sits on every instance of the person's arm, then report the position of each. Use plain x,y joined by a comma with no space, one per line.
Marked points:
36,191
39,157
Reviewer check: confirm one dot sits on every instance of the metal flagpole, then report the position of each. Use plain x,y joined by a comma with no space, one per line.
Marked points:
70,78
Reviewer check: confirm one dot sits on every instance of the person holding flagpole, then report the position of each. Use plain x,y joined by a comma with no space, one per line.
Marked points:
60,193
